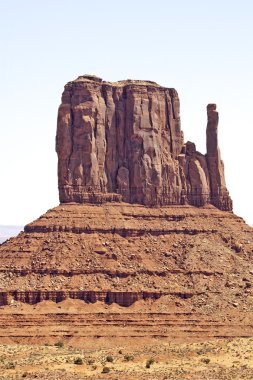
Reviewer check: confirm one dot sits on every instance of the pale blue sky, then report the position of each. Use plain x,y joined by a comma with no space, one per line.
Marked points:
202,48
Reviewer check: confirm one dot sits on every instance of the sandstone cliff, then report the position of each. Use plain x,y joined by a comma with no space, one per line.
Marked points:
123,141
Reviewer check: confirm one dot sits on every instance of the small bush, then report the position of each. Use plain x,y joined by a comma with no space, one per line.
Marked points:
90,361
149,362
78,361
128,358
109,359
59,344
205,360
106,370
120,352
10,365
25,374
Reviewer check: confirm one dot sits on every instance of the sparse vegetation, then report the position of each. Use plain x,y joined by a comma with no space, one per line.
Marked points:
78,361
59,344
109,359
205,360
10,365
215,359
149,362
128,357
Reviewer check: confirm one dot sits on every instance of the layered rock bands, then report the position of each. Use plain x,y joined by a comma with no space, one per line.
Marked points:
123,141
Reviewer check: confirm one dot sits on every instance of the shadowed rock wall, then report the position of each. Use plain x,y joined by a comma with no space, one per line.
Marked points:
123,141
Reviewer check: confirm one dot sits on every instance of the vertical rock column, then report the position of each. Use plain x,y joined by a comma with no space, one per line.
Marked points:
219,195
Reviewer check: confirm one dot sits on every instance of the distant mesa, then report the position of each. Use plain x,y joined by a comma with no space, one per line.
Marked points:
123,142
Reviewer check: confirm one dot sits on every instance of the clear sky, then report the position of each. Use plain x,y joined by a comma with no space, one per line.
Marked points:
202,48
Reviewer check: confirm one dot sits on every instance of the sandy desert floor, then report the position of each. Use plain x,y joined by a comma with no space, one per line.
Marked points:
213,359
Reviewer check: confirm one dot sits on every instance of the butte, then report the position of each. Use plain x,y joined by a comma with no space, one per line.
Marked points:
144,243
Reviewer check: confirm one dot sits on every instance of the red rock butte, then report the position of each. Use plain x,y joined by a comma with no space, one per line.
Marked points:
123,142
144,243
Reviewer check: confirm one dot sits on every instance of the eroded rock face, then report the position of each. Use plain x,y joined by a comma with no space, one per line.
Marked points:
218,190
123,141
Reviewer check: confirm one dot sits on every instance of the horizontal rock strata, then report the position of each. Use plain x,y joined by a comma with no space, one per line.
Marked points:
125,326
123,253
109,297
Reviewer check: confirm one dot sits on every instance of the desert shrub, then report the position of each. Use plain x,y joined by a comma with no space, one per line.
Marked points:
205,360
109,359
149,362
25,374
106,370
78,361
128,358
10,365
120,352
59,344
90,361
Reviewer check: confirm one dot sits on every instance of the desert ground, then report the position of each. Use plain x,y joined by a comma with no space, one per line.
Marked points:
106,350
212,359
